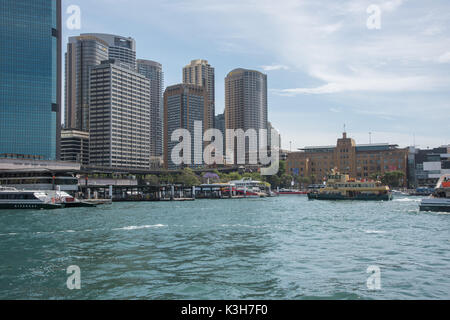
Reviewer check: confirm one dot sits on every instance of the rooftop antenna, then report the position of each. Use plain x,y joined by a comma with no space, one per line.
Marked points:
370,137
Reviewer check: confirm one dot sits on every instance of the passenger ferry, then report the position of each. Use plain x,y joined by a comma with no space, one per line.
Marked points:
70,202
249,188
11,198
440,200
341,187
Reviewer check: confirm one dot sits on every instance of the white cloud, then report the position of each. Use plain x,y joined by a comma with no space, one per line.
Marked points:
392,5
444,58
367,81
275,67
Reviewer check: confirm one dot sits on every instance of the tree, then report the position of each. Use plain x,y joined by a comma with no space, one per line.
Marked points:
167,178
152,179
282,168
286,180
393,179
303,180
274,180
188,178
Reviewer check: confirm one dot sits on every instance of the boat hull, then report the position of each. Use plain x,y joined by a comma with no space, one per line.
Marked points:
435,205
361,197
79,205
33,206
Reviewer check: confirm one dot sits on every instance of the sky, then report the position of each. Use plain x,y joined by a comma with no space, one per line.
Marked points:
329,63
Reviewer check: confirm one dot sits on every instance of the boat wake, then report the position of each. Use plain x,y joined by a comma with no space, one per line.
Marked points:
374,231
141,227
407,200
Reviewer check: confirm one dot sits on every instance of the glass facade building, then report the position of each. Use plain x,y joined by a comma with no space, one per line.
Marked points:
153,72
30,81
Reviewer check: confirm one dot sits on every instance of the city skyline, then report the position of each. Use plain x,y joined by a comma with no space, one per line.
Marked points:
346,73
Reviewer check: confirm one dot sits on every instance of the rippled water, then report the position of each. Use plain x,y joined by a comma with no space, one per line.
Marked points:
276,248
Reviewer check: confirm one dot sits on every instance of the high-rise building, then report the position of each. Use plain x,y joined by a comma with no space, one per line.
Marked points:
153,72
200,72
122,49
270,127
245,102
119,103
220,123
75,146
184,104
83,52
30,81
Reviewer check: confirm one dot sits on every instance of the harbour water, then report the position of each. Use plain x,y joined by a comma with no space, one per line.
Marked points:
274,248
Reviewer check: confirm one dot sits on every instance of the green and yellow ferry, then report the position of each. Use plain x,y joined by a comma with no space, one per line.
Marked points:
341,187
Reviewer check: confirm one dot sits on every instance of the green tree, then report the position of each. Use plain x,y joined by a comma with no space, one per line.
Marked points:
286,180
393,179
152,179
282,168
304,181
274,180
167,178
188,178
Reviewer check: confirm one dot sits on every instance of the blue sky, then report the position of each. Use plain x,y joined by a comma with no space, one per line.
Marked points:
325,67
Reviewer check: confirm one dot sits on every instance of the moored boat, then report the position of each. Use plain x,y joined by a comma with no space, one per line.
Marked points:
250,188
11,198
439,201
71,202
341,187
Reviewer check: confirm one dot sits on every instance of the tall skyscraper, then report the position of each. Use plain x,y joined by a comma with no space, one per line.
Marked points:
200,72
220,123
184,104
153,72
30,81
122,49
245,101
83,52
119,116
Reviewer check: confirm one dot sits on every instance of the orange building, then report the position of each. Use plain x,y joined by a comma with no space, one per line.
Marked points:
358,161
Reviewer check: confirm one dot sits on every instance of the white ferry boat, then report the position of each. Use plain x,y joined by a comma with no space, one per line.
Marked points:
249,188
440,200
11,198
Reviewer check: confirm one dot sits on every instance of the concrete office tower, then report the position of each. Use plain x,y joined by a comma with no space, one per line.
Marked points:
153,72
183,105
245,101
120,48
200,72
119,115
30,78
75,146
83,52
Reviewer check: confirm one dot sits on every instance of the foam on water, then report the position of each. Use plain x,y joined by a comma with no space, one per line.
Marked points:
141,227
374,231
407,200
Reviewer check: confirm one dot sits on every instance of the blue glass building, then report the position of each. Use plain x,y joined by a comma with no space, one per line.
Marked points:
30,78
